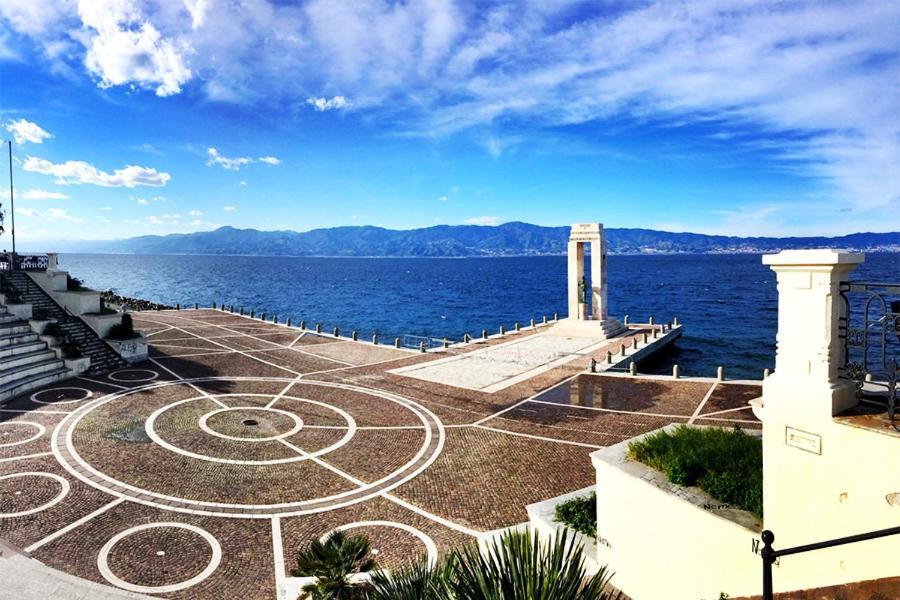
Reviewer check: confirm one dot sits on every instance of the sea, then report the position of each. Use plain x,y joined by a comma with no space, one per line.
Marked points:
726,303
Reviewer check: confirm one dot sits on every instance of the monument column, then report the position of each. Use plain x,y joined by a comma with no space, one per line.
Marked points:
598,277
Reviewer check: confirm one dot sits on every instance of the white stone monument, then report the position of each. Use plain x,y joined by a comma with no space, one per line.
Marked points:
587,300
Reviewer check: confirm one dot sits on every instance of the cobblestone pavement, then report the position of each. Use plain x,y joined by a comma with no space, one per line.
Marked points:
200,472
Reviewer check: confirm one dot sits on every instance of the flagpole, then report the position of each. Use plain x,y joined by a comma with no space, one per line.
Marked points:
12,202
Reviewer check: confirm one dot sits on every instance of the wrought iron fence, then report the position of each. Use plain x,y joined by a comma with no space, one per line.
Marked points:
23,262
870,330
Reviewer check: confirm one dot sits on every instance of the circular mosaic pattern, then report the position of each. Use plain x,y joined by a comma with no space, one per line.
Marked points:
61,395
155,435
133,375
15,433
246,424
30,492
219,443
161,551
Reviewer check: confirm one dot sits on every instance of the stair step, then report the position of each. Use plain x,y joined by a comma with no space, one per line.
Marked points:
25,384
25,358
22,371
22,348
17,338
13,327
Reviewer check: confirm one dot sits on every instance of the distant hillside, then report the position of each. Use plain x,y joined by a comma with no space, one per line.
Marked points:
510,239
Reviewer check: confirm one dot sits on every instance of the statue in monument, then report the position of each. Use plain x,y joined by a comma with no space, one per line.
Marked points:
583,293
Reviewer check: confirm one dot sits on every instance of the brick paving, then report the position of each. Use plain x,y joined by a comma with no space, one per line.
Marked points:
237,428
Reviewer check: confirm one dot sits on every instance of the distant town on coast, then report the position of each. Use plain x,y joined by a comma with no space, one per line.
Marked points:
508,239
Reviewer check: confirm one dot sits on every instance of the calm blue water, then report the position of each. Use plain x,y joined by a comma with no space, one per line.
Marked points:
726,302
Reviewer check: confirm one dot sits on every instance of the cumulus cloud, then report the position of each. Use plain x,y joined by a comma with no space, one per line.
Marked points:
78,172
142,201
25,131
195,213
229,208
37,194
323,104
486,220
56,214
123,47
214,157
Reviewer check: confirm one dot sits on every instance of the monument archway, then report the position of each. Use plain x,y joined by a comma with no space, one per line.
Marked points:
588,299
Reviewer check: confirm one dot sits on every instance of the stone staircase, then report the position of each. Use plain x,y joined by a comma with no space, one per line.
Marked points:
26,363
103,357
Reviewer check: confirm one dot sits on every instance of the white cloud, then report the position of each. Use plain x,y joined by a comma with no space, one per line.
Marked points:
243,184
233,164
214,157
323,104
36,194
229,208
123,47
104,208
61,215
142,201
482,221
164,219
195,213
443,198
78,172
57,214
25,131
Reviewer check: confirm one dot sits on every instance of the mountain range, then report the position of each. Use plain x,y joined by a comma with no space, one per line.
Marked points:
509,239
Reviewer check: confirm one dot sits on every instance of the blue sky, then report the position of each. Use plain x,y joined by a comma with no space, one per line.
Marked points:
749,118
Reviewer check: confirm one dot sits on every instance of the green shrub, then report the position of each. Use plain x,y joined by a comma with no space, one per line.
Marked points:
124,330
725,464
73,284
579,513
54,329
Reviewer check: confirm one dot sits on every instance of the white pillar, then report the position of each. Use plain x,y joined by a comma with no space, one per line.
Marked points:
598,278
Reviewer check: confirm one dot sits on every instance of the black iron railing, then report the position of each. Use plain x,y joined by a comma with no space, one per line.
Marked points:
23,262
769,554
870,329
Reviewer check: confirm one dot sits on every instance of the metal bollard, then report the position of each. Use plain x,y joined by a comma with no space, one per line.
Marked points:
446,343
242,311
651,320
288,322
302,325
375,338
275,319
720,373
336,332
625,320
354,336
517,327
634,343
396,342
645,337
422,346
196,306
609,357
633,368
675,372
502,329
466,337
674,321
214,305
765,373
532,323
593,365
484,334
655,333
318,328
545,319
251,313
556,316
262,317
177,306
622,349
